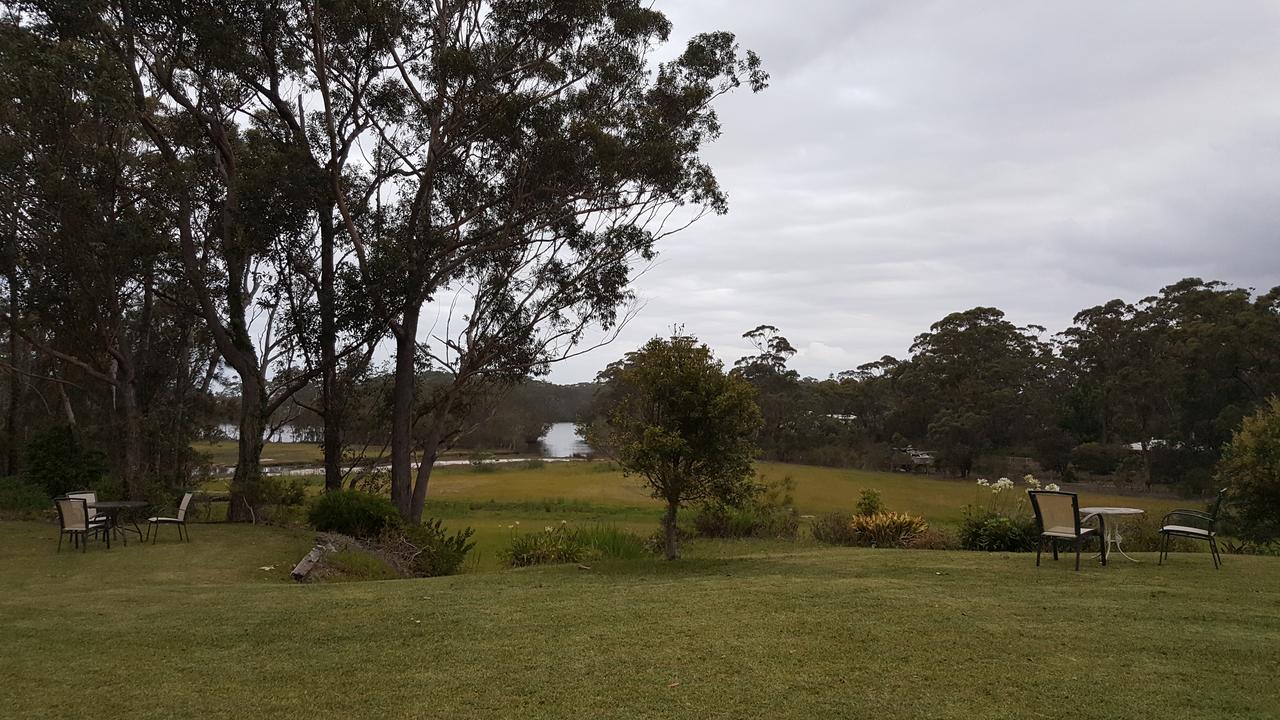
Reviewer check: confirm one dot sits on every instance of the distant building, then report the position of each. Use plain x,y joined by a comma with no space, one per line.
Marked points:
909,459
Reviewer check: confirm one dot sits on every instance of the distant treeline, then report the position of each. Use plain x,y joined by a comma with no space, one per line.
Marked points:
1146,391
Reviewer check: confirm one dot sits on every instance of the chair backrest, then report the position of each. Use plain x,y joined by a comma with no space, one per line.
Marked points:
90,497
182,506
1216,508
1056,511
73,513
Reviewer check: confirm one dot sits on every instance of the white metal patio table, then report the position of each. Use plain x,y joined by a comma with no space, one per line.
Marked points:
1113,538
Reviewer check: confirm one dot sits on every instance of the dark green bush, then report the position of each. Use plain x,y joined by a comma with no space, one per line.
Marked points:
1250,467
934,539
993,532
554,545
1099,458
834,529
23,498
869,502
611,542
427,550
353,513
768,513
60,462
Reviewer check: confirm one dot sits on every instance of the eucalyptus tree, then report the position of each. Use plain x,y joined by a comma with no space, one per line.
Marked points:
524,155
87,243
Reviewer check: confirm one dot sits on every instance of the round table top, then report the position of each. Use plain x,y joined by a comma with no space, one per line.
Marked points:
118,504
1111,511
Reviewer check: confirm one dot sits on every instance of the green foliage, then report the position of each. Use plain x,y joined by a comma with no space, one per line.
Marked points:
561,543
993,532
427,550
887,529
59,461
834,528
483,462
768,513
555,544
934,539
353,513
350,564
1100,459
1250,468
671,415
869,502
21,499
610,542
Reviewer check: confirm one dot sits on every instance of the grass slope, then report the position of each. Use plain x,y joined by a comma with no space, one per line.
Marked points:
737,630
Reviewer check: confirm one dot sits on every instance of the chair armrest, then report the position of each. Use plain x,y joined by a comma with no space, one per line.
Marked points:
1198,515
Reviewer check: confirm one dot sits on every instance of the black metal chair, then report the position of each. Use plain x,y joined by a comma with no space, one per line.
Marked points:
74,520
1210,533
180,521
1058,520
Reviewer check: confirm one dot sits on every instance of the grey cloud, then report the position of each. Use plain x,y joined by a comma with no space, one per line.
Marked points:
914,159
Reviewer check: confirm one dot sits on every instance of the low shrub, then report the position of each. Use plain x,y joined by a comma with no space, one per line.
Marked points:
555,544
833,528
350,564
769,513
725,521
610,542
869,503
353,513
933,539
426,550
887,529
21,498
995,532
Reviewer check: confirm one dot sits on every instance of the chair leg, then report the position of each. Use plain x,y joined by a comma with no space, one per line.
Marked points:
1078,544
1164,546
1039,547
1217,559
157,533
1054,545
84,542
60,535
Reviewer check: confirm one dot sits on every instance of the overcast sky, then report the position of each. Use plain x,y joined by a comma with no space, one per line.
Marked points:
912,159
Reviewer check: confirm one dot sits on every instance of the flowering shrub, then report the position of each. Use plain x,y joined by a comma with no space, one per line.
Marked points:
1000,520
887,529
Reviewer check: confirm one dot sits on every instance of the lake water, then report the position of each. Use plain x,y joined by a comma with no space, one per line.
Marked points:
563,441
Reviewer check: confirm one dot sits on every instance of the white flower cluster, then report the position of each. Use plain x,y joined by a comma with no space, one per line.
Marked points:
1031,481
1051,487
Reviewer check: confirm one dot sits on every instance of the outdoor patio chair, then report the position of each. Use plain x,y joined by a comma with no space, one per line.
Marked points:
1058,520
90,497
1209,531
73,520
180,521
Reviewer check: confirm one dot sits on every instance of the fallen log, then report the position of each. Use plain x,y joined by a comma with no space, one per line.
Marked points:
303,568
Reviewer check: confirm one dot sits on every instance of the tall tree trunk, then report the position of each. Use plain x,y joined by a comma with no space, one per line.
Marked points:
331,402
253,422
430,451
131,427
669,531
403,395
15,385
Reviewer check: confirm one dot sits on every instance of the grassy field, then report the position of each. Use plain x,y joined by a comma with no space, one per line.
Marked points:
741,629
583,493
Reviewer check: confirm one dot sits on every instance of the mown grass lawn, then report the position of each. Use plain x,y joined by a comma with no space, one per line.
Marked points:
742,629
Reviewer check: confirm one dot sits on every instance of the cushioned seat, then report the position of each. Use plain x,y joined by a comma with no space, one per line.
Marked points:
1186,530
1208,532
1058,520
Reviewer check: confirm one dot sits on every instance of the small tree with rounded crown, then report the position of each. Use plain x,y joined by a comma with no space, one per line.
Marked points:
669,413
